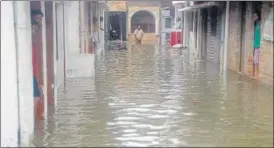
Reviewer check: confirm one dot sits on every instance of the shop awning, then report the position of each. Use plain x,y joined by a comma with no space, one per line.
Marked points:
199,6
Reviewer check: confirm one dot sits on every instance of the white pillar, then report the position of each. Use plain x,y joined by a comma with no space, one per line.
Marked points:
185,30
45,69
25,75
54,22
82,25
60,43
226,35
9,86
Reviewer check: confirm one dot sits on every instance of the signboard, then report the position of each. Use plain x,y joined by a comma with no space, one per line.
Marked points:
117,5
268,27
166,13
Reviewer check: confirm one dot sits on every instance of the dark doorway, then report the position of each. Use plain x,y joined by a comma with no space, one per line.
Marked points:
117,25
243,21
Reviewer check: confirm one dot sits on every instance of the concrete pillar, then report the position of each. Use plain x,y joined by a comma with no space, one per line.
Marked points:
9,86
55,47
45,67
25,75
102,33
226,35
60,44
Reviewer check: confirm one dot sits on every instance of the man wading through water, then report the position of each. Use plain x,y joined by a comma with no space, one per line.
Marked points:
138,35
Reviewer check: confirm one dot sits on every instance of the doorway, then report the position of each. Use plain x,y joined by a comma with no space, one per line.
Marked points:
243,21
117,25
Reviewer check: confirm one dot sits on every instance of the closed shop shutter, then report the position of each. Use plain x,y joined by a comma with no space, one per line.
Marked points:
214,35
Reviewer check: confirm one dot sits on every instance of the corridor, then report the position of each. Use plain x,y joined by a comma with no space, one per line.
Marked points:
150,96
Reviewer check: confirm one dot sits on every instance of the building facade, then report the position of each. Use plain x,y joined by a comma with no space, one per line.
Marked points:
241,35
145,14
62,45
223,32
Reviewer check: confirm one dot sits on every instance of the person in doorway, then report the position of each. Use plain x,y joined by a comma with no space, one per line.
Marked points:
138,35
36,90
37,15
95,35
178,23
256,43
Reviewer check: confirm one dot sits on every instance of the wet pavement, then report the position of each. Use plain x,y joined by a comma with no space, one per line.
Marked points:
148,96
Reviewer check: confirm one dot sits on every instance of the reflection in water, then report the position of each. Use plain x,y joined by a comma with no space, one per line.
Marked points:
157,97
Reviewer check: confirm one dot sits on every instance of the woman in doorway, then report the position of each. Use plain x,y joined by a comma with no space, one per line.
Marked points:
256,43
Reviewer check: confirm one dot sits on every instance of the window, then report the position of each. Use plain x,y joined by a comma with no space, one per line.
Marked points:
213,20
168,22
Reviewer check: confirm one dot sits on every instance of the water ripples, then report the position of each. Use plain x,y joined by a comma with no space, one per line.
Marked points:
159,97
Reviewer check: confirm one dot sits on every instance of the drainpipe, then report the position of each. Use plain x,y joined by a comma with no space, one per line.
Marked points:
65,39
82,25
185,31
9,86
45,70
54,22
24,65
226,36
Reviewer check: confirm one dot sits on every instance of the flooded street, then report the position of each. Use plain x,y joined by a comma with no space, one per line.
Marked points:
158,97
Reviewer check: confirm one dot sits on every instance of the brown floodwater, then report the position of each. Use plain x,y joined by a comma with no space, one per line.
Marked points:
150,96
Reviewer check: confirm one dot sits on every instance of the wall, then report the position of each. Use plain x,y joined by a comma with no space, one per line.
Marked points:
266,57
236,42
9,95
25,75
234,36
72,26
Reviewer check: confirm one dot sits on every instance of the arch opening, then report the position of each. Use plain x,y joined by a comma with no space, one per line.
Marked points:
145,19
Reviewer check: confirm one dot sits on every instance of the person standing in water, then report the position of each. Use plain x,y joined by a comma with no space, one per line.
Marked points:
36,89
138,35
256,43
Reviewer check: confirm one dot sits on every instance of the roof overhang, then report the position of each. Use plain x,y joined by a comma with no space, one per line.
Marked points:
199,6
178,2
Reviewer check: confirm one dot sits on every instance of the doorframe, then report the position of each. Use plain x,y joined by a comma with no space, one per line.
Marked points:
243,8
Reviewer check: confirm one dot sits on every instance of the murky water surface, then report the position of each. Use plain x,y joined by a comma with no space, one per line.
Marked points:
158,97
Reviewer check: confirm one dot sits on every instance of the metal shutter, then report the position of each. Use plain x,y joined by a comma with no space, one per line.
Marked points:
214,41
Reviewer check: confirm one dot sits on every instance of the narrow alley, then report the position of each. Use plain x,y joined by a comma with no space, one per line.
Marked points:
157,97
